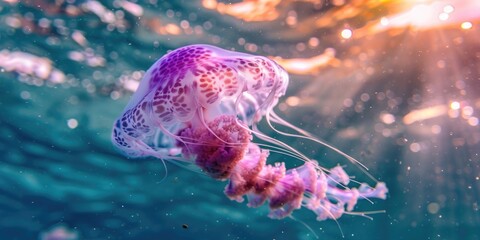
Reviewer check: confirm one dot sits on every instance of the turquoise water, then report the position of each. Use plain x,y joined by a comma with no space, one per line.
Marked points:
403,101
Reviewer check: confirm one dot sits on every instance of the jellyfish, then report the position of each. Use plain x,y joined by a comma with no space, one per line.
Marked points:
201,105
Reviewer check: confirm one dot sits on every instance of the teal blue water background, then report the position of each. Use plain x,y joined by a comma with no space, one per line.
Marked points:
58,166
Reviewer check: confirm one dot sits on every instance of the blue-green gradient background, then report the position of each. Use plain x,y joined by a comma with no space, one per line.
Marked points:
53,174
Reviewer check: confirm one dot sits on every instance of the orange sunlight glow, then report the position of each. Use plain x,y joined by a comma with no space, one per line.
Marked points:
164,28
259,10
433,14
424,114
253,10
305,66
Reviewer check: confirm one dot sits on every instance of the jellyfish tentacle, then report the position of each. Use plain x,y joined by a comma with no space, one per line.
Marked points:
217,156
307,135
261,135
284,190
267,138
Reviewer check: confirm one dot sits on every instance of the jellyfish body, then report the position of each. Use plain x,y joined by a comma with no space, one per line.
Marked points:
192,86
200,104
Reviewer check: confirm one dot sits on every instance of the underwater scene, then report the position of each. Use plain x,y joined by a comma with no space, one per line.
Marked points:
254,119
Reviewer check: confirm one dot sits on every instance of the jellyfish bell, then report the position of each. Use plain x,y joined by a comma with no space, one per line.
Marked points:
192,86
201,104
